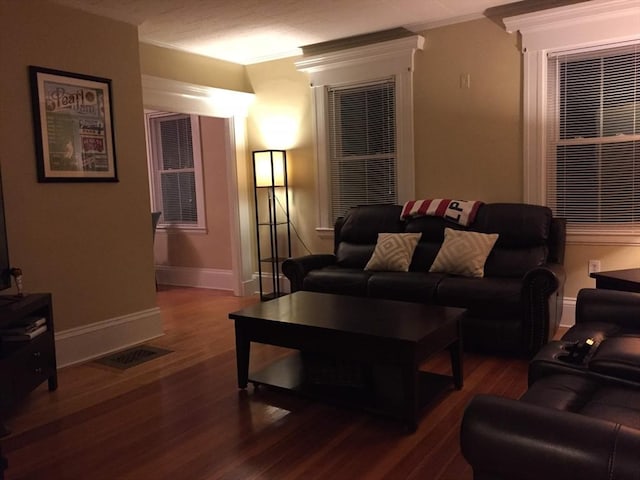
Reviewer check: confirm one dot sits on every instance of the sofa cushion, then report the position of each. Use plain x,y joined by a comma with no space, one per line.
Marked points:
432,230
346,281
488,294
618,357
568,393
588,397
353,255
519,225
514,262
393,252
524,237
423,256
463,253
362,224
410,287
615,404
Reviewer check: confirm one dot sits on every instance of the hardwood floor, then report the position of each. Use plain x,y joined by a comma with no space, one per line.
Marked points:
181,416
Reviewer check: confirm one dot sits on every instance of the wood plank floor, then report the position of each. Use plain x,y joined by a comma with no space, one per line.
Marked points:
181,416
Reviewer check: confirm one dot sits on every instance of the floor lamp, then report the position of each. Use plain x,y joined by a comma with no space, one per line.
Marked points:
273,230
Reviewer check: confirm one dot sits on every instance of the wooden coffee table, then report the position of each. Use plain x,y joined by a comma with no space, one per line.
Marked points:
388,339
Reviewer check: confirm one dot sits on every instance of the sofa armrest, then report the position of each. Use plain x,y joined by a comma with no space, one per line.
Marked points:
611,306
295,269
542,292
507,439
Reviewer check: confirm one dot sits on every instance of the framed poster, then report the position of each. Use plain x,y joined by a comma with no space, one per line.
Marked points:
73,126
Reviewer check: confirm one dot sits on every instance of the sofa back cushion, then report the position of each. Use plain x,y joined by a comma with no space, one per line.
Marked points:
523,242
357,233
432,229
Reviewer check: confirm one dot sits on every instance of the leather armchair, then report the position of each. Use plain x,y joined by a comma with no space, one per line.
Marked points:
506,439
611,319
578,419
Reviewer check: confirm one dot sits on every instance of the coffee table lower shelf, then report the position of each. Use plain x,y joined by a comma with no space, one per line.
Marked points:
383,395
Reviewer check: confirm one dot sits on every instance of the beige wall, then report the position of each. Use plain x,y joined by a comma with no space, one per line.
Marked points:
190,68
280,118
87,243
468,140
210,249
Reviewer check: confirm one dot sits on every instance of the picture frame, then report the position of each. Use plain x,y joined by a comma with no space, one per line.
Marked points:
73,125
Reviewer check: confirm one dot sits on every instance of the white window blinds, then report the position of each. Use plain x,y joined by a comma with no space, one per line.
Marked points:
362,145
174,161
593,138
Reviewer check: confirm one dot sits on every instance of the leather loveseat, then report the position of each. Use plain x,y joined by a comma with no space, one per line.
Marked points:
515,307
580,417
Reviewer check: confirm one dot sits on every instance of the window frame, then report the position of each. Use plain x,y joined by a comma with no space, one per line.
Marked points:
586,25
389,59
155,188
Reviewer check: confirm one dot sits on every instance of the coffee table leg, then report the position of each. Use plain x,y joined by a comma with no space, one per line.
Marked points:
410,386
455,349
243,347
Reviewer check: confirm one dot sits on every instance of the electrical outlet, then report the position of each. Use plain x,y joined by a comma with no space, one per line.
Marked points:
593,266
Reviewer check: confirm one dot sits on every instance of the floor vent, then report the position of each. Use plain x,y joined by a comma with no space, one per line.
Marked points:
132,357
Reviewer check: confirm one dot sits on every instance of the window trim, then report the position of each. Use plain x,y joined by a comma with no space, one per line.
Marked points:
154,177
392,58
576,26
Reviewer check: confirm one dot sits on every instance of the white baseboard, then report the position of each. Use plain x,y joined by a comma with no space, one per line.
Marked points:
195,277
568,312
267,282
85,343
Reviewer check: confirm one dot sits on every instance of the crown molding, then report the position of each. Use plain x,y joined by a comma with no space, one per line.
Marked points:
399,48
579,24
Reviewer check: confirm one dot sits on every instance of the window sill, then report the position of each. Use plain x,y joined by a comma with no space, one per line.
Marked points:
630,239
172,229
326,233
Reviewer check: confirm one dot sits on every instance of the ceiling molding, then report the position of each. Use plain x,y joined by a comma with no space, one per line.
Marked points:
577,24
420,27
364,54
185,97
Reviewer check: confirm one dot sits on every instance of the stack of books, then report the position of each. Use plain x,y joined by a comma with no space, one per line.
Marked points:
24,329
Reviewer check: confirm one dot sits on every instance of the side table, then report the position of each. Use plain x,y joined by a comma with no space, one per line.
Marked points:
626,280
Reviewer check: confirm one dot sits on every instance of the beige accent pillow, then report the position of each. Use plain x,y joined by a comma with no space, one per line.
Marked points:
464,253
393,252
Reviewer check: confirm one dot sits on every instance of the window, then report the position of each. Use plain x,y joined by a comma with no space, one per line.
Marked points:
593,147
581,117
176,169
362,145
363,106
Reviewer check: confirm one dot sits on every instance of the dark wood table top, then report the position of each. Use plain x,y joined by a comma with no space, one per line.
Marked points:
629,274
375,317
625,280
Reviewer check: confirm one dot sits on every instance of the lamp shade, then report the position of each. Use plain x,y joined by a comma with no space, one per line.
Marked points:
269,168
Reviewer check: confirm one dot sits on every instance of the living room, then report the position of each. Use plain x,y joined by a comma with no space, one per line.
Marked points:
89,243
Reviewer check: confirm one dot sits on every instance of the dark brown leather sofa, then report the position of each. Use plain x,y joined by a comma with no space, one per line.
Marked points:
517,305
580,417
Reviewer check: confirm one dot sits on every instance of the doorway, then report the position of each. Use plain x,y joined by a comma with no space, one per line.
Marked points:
230,108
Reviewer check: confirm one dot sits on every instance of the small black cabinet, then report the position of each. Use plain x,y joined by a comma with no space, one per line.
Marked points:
26,364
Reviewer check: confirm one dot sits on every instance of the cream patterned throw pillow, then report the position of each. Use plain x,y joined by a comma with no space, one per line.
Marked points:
393,252
464,253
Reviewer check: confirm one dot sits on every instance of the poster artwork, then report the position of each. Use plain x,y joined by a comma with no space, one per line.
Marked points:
75,123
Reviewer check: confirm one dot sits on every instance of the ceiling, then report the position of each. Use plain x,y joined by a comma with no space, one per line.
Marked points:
250,31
